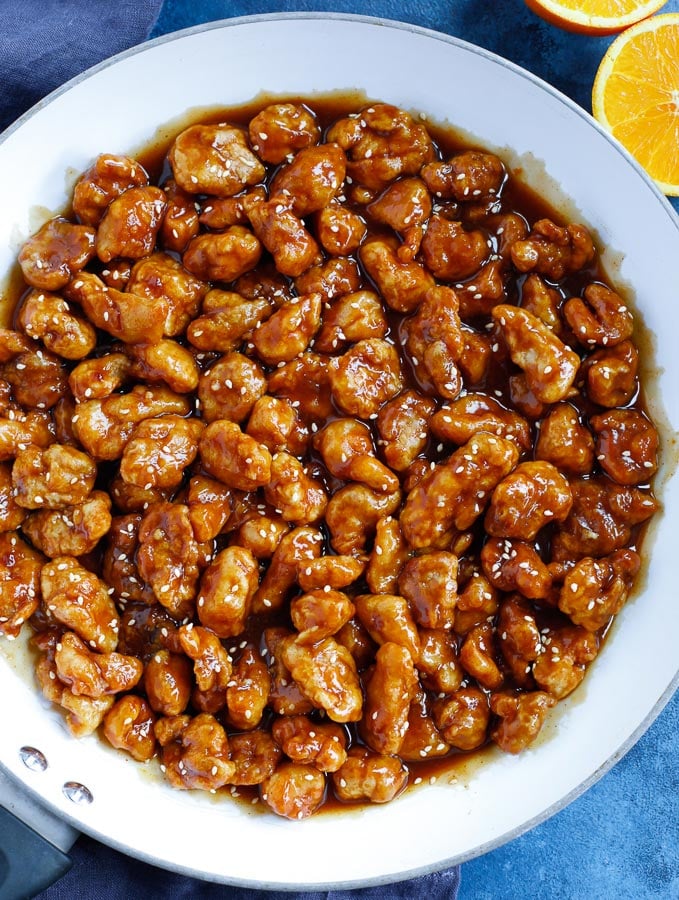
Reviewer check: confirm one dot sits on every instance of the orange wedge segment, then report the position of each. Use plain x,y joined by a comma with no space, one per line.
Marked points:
636,96
594,16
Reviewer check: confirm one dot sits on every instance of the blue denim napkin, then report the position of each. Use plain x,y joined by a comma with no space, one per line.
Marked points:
43,43
101,873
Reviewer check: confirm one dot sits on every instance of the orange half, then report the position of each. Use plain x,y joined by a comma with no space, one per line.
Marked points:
636,96
594,16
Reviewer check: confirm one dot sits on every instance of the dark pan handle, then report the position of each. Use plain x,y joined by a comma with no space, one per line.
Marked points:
28,862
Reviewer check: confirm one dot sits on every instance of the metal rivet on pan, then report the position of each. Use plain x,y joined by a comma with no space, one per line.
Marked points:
77,793
33,759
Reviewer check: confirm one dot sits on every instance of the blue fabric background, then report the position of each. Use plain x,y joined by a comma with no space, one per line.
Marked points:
43,43
621,838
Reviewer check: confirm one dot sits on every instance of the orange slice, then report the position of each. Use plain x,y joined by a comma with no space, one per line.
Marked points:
594,16
636,96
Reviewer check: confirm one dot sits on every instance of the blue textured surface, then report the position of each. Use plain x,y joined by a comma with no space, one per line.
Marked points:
621,838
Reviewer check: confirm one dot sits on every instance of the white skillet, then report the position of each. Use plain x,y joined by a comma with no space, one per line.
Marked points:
117,107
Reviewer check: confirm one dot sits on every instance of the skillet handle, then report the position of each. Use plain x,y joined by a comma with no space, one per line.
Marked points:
28,862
